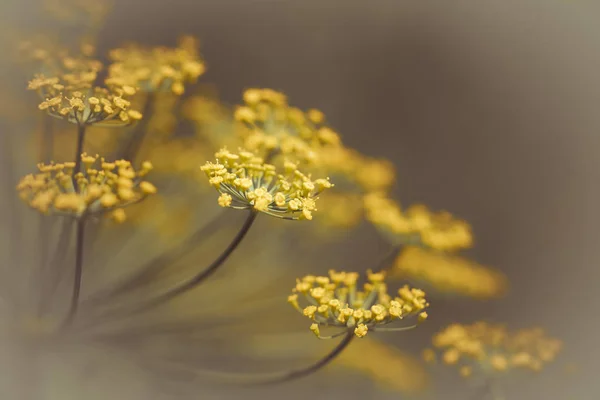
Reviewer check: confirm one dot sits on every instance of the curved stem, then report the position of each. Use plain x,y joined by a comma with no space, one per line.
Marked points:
386,262
78,272
158,262
281,377
204,274
398,329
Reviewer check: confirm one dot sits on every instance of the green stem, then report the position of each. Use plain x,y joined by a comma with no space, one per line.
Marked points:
149,269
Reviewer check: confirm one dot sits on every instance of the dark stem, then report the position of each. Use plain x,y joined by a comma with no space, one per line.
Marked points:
386,262
300,373
138,135
156,264
204,274
80,141
78,271
280,377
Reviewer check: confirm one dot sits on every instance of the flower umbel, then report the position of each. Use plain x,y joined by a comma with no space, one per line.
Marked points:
418,224
488,348
274,126
72,95
246,181
157,69
100,187
335,301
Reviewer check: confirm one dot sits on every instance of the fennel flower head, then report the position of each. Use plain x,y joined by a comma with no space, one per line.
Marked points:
149,233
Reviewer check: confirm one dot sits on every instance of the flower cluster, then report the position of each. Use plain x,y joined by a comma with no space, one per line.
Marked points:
156,69
418,225
449,272
336,301
275,127
72,95
100,187
490,348
246,181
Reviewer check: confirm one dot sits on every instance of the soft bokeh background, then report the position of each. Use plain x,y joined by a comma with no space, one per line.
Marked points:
488,109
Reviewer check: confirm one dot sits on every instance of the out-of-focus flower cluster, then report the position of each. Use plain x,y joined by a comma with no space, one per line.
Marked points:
100,187
483,348
448,273
156,69
418,224
274,127
72,94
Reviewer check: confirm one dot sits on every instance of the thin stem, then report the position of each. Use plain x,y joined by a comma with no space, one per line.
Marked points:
157,263
280,377
204,274
399,329
386,262
335,335
80,141
78,271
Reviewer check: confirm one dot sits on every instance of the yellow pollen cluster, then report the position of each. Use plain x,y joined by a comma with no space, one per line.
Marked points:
335,301
276,127
439,231
100,187
486,347
157,69
449,273
72,95
245,181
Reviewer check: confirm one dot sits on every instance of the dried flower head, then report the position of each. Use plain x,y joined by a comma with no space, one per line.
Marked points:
100,187
335,301
157,69
448,272
72,95
488,348
276,127
246,181
418,225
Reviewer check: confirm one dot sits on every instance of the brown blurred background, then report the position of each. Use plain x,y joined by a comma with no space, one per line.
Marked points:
490,109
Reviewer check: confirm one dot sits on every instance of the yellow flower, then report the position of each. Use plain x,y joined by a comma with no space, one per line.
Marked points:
448,273
335,301
157,69
492,349
58,189
71,94
274,127
418,225
250,183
